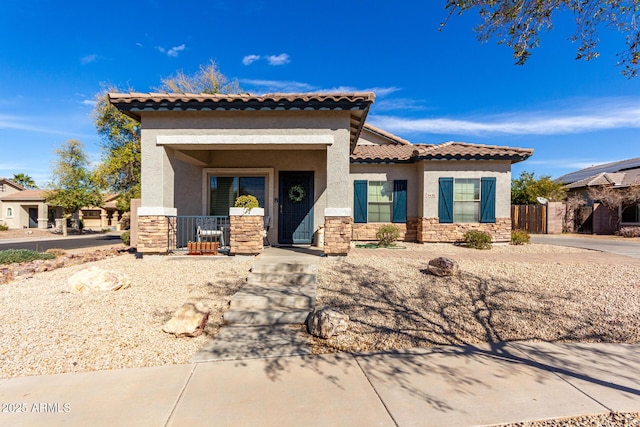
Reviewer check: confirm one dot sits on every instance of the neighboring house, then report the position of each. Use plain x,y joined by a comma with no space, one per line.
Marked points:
620,176
22,208
104,216
27,209
314,165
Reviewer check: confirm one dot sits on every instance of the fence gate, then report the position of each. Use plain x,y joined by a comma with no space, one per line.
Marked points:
531,218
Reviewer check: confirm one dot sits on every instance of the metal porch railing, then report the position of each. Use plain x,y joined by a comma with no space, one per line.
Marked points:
185,229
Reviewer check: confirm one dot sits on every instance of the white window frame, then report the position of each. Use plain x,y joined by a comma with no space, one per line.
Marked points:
476,202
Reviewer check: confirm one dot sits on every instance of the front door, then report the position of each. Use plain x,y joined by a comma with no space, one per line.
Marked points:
295,222
33,217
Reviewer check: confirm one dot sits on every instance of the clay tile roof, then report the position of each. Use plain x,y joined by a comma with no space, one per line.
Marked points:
393,138
133,103
385,153
465,151
30,195
446,151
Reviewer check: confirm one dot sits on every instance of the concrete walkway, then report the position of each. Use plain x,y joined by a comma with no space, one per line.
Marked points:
439,386
265,316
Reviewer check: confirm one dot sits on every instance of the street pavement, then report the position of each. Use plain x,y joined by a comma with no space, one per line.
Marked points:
437,386
611,244
41,244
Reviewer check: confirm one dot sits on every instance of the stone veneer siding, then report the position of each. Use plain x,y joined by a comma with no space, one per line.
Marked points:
408,230
430,230
246,234
337,234
153,234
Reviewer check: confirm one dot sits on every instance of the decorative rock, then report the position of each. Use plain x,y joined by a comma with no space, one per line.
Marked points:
188,321
327,322
97,279
443,266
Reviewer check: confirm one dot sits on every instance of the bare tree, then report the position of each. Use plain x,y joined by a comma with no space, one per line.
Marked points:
615,200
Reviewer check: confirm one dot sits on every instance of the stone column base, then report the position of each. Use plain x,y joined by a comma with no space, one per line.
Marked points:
246,234
153,234
337,234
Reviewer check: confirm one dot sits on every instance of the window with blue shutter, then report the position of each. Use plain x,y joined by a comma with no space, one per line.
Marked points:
400,200
360,201
445,200
488,200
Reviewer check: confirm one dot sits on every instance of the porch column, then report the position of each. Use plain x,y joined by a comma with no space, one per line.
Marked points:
43,219
115,220
104,221
338,220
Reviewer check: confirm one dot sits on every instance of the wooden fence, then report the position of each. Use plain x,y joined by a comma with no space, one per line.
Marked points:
531,218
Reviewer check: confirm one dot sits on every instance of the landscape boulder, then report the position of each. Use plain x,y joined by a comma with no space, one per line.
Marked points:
443,266
188,321
97,279
327,322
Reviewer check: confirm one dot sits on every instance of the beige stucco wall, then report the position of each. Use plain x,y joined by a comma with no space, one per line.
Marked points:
375,172
20,217
176,155
433,170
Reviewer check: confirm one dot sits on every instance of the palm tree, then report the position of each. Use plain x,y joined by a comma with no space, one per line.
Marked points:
25,180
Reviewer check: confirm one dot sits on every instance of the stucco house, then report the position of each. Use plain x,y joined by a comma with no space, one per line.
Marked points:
27,208
622,176
24,208
315,167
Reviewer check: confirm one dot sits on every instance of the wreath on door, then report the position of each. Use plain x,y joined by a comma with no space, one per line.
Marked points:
296,193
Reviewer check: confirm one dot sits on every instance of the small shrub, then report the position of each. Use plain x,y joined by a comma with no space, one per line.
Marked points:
126,238
629,232
4,227
11,256
520,237
387,234
477,239
247,202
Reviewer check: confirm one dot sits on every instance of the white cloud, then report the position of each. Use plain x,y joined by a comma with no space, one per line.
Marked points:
26,124
173,52
250,59
88,59
89,102
281,59
603,114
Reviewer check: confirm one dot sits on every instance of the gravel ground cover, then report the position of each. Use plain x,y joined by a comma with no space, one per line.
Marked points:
631,419
508,293
46,330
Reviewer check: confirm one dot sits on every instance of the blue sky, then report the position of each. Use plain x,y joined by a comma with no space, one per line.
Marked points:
432,86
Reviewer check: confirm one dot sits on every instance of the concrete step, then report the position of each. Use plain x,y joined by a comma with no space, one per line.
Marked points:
285,267
273,279
266,317
255,297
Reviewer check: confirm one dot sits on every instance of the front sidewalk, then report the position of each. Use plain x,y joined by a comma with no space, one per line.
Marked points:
448,385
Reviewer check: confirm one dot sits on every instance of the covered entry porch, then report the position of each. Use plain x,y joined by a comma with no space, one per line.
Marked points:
200,152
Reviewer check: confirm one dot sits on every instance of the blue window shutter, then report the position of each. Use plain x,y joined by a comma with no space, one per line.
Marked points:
445,200
488,200
360,201
399,201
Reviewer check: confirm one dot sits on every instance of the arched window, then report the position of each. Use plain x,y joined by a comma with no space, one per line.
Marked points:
9,212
